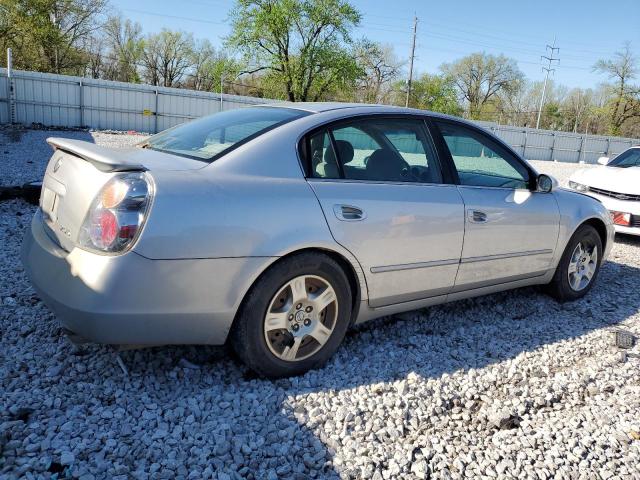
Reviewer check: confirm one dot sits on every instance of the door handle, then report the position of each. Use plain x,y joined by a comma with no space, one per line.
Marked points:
476,216
348,213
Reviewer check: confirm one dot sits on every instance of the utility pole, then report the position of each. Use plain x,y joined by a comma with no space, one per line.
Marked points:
551,49
221,89
11,117
413,54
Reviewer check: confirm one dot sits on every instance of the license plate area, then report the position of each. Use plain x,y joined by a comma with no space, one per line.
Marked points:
49,204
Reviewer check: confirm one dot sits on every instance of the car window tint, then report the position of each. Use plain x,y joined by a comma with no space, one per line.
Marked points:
478,162
363,145
209,137
386,150
323,158
630,158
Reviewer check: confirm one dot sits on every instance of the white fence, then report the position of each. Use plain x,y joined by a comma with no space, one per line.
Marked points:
560,146
64,101
60,100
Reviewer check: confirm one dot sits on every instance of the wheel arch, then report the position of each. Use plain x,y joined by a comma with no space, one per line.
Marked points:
345,264
600,227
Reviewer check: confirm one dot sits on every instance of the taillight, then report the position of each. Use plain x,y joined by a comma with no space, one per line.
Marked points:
117,214
621,218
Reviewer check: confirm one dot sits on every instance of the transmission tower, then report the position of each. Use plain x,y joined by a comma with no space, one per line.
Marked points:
551,50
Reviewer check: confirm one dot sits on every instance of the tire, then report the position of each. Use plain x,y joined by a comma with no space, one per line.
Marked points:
563,285
262,350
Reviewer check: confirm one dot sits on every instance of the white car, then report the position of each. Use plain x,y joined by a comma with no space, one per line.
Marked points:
617,185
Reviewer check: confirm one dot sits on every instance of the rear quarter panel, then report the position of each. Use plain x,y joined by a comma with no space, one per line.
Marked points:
253,202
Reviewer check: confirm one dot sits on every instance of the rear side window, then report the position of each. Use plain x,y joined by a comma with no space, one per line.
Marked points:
480,161
324,163
211,137
391,150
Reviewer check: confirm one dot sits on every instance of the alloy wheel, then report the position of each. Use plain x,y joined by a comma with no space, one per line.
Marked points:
583,265
300,318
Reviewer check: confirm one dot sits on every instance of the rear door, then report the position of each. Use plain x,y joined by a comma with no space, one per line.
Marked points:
385,199
511,230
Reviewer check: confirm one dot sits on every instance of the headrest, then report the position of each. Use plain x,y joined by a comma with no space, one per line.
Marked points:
345,152
384,165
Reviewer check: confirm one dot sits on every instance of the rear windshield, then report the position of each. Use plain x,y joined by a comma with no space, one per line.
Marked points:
211,137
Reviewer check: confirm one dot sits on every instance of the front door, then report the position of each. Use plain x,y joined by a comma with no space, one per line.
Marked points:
511,230
382,191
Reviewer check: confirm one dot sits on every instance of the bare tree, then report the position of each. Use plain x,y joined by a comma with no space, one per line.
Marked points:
125,45
380,68
625,101
480,77
94,49
211,69
166,57
578,105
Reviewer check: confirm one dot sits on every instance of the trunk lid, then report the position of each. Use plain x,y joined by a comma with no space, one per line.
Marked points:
76,173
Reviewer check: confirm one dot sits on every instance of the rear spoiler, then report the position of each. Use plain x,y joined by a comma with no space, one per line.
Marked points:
103,158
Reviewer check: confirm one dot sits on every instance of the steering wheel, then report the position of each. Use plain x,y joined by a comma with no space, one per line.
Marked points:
408,174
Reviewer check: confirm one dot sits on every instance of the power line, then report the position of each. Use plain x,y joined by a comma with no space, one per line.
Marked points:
550,58
177,17
473,28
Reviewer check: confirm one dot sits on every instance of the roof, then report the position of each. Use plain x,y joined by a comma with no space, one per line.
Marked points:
319,107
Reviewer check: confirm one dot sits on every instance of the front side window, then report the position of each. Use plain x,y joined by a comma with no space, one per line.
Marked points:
480,161
391,150
630,158
210,137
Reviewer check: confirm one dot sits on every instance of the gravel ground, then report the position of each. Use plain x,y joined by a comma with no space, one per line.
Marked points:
25,152
512,385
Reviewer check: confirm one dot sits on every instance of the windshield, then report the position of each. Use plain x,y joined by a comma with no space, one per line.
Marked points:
210,137
630,158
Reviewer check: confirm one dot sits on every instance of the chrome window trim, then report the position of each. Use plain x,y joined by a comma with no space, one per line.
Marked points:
382,182
508,189
492,138
328,124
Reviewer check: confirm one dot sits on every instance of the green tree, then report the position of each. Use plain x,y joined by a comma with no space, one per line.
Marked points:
49,35
436,93
624,102
301,46
480,77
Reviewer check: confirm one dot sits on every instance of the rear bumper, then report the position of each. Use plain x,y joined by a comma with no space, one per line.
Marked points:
132,300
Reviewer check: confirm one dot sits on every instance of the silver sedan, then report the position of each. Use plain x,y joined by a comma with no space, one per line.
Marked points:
277,227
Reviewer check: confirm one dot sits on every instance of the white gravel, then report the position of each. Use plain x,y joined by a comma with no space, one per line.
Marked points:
512,385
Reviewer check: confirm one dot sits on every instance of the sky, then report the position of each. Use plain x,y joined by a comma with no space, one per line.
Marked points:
584,30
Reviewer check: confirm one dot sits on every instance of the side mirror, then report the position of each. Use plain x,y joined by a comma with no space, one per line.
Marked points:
603,160
546,183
